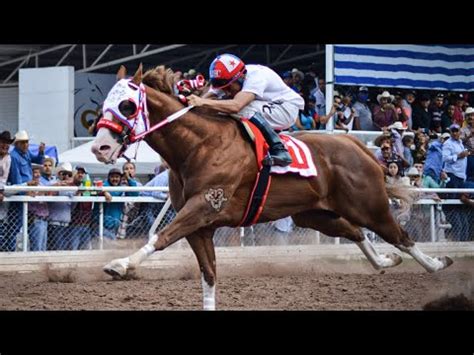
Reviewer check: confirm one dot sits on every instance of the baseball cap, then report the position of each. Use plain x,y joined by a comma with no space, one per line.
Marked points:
115,171
454,126
80,167
445,135
363,88
440,95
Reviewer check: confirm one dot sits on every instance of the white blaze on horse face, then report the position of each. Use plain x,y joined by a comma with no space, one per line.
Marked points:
105,146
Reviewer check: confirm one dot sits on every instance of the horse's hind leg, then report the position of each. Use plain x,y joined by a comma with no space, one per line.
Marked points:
389,230
336,226
203,246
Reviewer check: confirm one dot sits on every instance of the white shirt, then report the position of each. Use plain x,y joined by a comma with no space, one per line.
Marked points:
5,163
267,85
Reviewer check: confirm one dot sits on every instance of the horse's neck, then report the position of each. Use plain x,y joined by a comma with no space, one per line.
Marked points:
176,141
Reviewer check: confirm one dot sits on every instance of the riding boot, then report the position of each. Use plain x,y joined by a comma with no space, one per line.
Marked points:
278,153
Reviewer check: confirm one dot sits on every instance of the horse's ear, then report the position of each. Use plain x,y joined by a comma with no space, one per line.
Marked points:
137,78
122,72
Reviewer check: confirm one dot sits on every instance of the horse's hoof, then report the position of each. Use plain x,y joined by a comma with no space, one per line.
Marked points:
446,260
117,268
397,259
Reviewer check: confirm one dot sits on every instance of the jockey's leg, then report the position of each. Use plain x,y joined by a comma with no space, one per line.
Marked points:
203,247
278,152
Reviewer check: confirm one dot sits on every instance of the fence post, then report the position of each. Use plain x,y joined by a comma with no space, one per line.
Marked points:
337,240
159,218
432,223
101,225
25,226
242,235
318,237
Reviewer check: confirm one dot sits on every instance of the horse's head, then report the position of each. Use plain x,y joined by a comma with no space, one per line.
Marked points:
124,117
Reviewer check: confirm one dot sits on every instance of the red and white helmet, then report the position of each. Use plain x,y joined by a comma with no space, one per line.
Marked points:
225,69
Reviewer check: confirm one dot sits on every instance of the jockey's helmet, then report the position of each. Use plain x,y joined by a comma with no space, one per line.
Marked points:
225,69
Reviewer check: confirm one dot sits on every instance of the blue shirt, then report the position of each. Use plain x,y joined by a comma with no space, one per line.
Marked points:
452,164
434,160
160,180
20,169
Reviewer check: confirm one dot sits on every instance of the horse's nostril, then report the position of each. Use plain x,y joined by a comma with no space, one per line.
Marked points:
104,147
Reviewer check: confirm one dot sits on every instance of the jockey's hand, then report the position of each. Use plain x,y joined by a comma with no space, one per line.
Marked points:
195,100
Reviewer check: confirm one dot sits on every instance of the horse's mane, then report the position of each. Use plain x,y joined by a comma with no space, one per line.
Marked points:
160,78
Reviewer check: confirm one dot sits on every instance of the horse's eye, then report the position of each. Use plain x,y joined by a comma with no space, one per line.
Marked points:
127,108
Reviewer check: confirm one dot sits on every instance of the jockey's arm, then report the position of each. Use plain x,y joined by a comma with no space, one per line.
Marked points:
234,105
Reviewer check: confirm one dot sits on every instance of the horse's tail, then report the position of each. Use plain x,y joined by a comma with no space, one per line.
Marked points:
404,197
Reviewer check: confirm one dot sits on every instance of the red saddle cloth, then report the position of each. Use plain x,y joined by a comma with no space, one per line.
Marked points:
302,164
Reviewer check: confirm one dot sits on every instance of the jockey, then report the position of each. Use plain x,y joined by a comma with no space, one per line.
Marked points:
255,92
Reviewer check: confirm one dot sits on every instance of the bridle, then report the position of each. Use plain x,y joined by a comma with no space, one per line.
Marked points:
126,127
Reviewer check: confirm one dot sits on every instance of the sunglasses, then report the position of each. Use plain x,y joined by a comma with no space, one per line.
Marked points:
65,174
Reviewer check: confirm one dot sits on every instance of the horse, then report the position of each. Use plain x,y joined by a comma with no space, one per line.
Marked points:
207,152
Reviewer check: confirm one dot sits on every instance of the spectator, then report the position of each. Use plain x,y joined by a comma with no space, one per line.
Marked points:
47,177
398,104
448,116
408,147
81,216
407,103
363,114
130,169
59,233
386,156
20,173
344,117
5,162
21,159
421,116
421,146
384,113
298,77
319,94
439,121
38,214
396,131
287,78
433,166
379,141
455,160
394,175
458,114
467,138
113,211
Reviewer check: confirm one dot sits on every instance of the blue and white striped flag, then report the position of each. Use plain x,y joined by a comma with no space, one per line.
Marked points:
435,67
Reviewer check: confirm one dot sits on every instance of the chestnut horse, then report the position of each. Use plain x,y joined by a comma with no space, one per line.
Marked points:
207,152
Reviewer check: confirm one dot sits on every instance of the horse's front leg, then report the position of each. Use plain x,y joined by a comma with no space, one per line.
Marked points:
195,214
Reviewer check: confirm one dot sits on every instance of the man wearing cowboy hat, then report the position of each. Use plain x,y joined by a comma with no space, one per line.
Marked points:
20,170
385,113
396,130
20,173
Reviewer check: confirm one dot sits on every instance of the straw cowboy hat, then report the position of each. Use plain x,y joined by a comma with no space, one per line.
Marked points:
469,110
398,126
385,95
413,172
6,137
21,136
66,166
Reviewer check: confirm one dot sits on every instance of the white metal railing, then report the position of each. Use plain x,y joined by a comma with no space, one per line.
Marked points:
11,195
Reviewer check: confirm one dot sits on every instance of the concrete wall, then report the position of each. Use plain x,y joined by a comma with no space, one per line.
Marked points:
9,109
46,105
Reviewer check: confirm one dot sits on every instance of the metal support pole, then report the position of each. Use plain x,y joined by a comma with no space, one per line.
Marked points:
318,237
329,84
337,240
25,226
242,235
101,225
432,224
84,55
159,218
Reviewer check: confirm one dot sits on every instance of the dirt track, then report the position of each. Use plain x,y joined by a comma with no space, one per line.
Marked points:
344,287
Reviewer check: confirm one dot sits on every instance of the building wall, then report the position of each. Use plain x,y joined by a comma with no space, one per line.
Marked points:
46,105
9,109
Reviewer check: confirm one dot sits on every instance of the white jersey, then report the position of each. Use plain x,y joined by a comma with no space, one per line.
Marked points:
267,86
